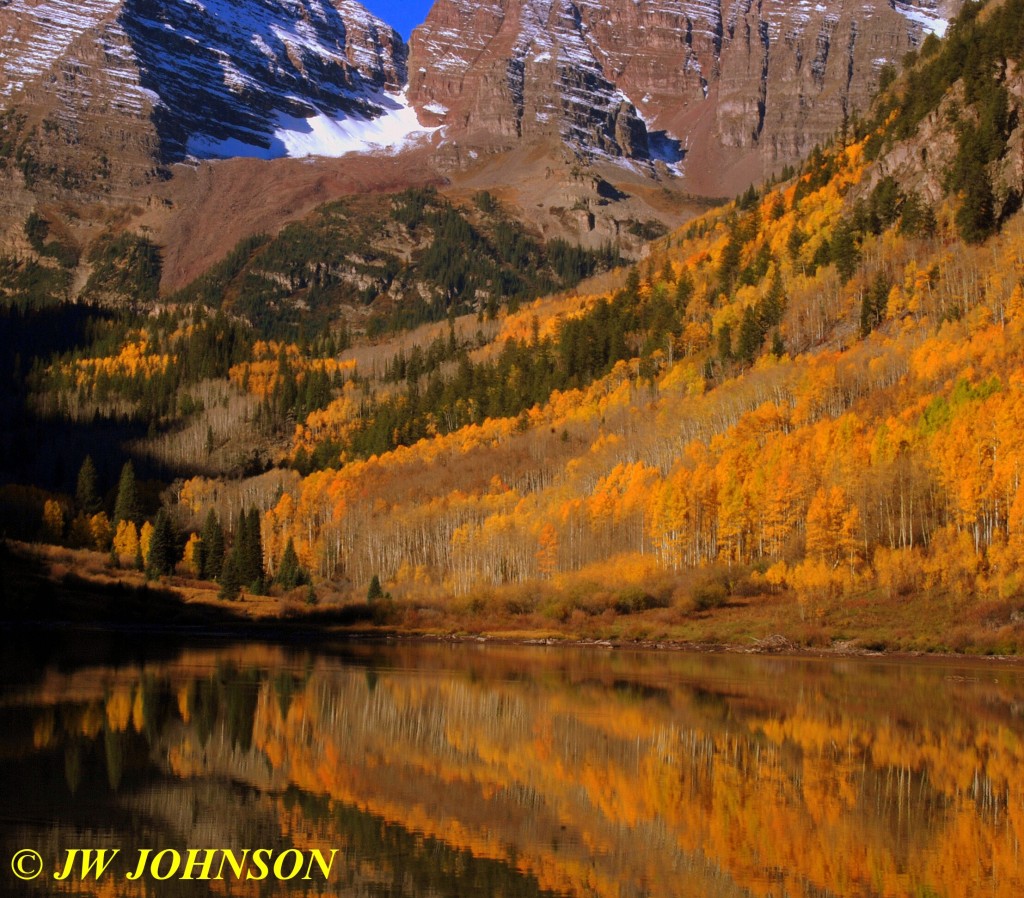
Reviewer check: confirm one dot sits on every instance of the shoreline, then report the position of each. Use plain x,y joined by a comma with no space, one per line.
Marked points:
65,594
280,633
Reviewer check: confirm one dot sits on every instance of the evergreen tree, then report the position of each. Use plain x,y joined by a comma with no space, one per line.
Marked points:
126,508
773,307
778,347
844,251
668,273
212,548
795,243
230,579
729,265
253,574
725,343
161,546
86,496
751,336
290,574
633,283
976,217
874,303
684,291
375,592
917,218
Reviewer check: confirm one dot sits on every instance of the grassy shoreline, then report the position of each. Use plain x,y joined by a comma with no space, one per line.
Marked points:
50,588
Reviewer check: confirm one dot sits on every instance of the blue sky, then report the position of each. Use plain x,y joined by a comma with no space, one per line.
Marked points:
401,14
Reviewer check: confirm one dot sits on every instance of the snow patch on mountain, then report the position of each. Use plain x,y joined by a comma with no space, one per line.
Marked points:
325,135
930,21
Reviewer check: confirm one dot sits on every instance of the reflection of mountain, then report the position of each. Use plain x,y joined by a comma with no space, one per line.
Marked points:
589,775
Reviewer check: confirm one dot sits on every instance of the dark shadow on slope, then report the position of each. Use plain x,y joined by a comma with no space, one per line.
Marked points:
665,148
181,47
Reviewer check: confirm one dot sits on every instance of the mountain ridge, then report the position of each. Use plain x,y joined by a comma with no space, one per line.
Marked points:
223,78
106,105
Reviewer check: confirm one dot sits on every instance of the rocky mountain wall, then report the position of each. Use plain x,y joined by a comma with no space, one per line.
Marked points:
719,81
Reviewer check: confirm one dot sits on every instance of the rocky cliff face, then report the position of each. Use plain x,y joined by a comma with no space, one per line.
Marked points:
520,70
741,87
95,85
735,88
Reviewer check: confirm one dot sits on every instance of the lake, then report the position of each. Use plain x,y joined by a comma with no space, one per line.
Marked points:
487,770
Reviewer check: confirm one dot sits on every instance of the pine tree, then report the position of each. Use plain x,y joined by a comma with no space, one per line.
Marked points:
375,592
86,496
212,556
976,217
773,307
751,336
684,291
918,218
874,303
290,573
795,242
778,346
230,580
844,251
668,273
161,546
126,508
725,343
253,573
633,284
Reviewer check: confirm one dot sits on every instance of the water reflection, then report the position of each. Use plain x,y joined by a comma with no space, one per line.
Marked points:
523,772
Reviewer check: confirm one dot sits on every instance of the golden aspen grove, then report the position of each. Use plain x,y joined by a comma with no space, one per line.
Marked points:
799,414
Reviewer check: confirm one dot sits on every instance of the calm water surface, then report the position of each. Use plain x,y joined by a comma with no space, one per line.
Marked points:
495,771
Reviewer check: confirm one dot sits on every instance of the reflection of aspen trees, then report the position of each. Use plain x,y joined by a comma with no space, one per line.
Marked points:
737,775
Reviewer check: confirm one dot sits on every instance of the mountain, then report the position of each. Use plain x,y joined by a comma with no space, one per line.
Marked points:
97,96
595,122
101,101
103,91
731,89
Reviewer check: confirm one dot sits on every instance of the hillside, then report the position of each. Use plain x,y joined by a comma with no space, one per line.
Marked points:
390,263
799,414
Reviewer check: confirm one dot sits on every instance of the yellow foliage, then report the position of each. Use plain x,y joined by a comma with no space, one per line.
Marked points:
53,521
899,571
190,558
145,539
102,531
119,708
126,541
